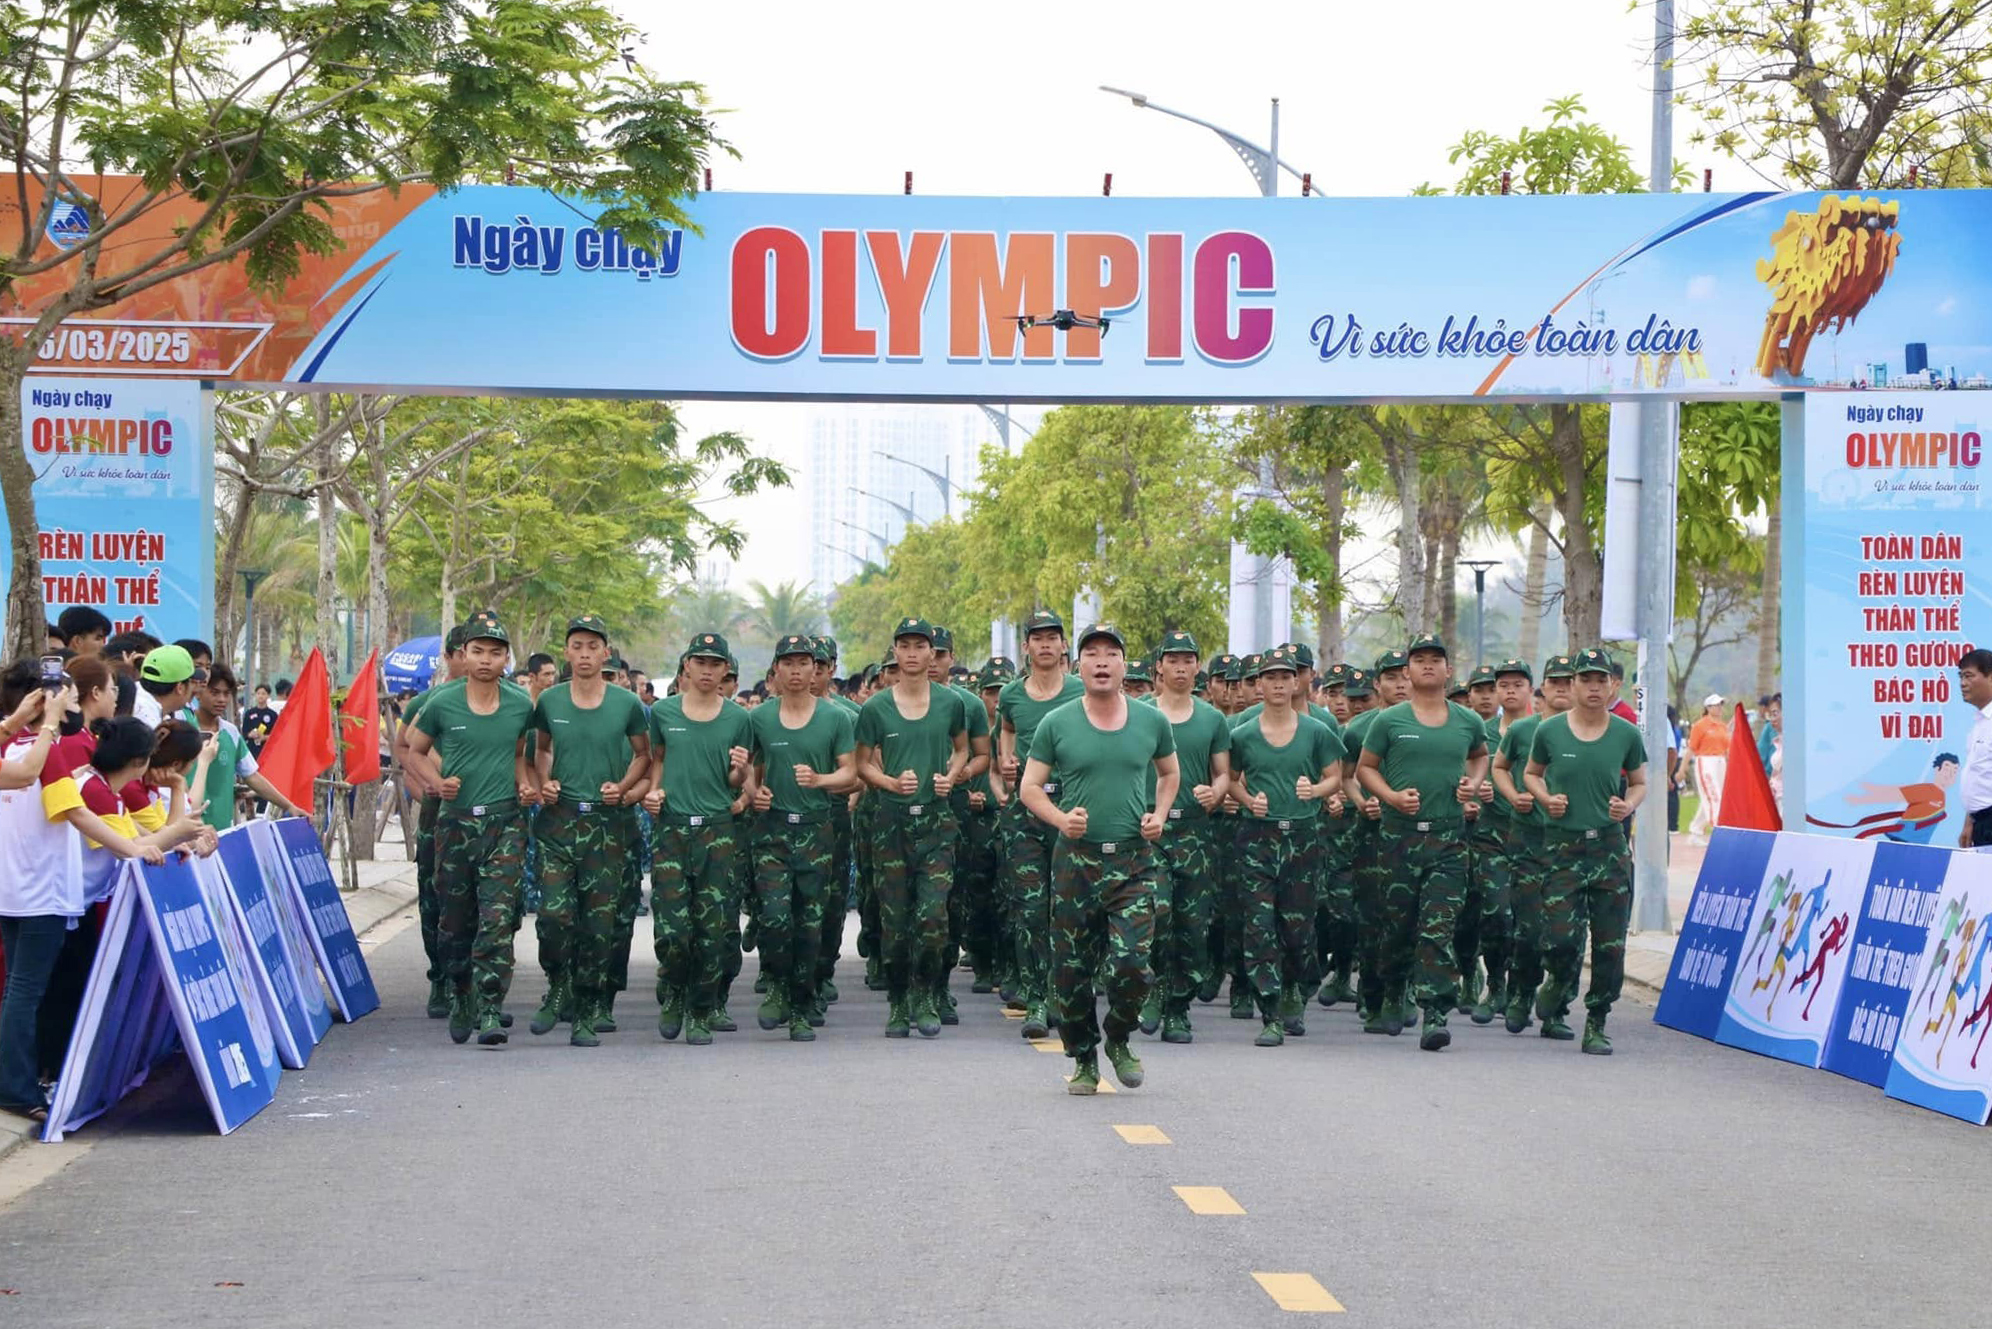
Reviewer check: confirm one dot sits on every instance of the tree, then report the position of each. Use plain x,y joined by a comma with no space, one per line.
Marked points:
1718,612
924,576
1729,472
789,608
1133,502
1842,94
241,121
707,604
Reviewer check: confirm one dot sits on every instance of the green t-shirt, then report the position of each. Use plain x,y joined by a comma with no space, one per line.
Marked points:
1429,758
924,746
590,745
1016,707
477,749
1321,713
696,756
817,745
231,761
977,717
1589,772
1273,771
1101,769
1198,739
1515,746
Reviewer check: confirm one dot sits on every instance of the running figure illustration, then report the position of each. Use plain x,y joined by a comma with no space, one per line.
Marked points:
1780,889
1834,939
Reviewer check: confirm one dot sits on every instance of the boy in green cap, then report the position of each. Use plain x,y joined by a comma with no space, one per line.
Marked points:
1577,766
478,726
1423,760
590,771
699,776
912,750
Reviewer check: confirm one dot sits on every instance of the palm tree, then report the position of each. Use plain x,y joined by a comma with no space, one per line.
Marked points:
790,608
708,604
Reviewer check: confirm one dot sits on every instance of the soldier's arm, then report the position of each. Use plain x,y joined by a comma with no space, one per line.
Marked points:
978,757
636,779
422,760
1220,773
403,734
1369,774
958,760
1006,746
1033,795
1532,779
1503,776
523,772
845,778
871,773
1168,777
1635,789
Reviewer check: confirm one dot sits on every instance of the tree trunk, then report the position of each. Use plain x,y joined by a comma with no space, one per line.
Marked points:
1402,456
229,560
328,529
27,615
1448,587
1328,592
1767,606
1583,573
1532,587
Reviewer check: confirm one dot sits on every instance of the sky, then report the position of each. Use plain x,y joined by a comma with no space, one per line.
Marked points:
981,99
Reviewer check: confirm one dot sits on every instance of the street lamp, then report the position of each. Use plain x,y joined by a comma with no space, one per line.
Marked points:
1480,566
912,517
854,557
940,477
882,541
251,577
1264,163
1004,424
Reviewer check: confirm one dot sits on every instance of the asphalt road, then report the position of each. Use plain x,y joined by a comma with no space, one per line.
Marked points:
856,1181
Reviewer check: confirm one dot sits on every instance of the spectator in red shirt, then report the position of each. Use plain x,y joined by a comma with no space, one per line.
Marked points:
1619,707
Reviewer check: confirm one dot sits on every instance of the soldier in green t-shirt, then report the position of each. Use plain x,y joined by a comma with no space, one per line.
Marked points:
1371,693
1578,765
1424,761
699,777
837,895
478,727
1486,919
1187,883
1103,868
1287,766
912,750
973,876
592,763
990,944
430,803
805,763
1527,862
1021,707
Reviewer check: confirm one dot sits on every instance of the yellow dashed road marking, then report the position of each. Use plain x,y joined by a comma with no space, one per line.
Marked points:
1298,1292
1208,1200
1105,1088
1142,1135
1047,1045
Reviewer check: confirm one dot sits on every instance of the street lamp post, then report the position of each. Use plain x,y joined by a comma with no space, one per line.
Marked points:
1480,566
849,525
912,518
1248,569
940,478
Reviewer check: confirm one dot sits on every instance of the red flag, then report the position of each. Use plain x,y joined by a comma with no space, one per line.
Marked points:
1746,790
359,724
300,747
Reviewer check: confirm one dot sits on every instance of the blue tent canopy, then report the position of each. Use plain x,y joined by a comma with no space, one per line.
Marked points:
412,664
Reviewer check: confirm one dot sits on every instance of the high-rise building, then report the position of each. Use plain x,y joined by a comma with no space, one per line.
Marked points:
1915,357
852,449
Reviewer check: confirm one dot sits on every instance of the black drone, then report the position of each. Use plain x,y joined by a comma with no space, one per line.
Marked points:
1064,320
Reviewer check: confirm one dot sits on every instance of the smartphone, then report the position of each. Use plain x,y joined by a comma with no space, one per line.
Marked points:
53,677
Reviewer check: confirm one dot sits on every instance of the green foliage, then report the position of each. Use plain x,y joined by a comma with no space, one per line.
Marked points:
923,576
1569,155
1843,94
1323,459
786,609
1728,472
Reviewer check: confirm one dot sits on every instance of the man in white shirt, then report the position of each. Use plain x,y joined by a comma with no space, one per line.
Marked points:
1974,683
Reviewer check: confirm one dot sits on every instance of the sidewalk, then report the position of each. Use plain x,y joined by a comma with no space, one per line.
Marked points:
1649,955
387,886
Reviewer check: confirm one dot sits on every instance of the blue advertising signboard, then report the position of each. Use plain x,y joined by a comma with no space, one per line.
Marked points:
1787,981
290,915
1940,1060
124,498
125,1024
1902,899
1711,937
286,980
205,961
329,927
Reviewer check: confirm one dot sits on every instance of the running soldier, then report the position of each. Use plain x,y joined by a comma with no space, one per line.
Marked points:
971,882
1527,861
1104,864
431,804
1186,885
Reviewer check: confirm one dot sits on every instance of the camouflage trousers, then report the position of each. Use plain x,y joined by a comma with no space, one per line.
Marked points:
1527,867
692,890
1484,913
1277,862
913,860
1366,873
1027,845
1227,925
1102,918
1335,909
480,870
426,907
793,871
529,895
1185,893
864,845
636,866
583,856
1424,880
836,895
1589,879
975,900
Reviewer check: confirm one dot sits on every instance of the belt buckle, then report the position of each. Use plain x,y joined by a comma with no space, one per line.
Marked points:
794,818
478,810
695,821
1423,826
1051,788
584,807
1110,846
1175,814
1591,834
1285,825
